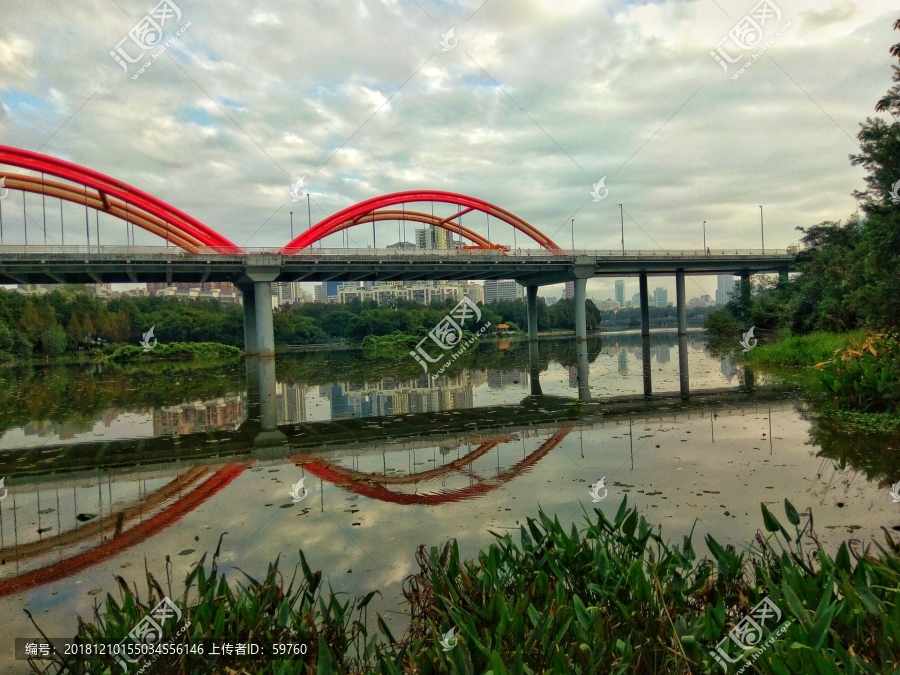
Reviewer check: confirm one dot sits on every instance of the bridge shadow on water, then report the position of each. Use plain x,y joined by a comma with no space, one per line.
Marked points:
161,479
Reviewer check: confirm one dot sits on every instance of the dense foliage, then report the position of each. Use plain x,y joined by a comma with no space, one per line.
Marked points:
71,319
175,351
865,376
613,597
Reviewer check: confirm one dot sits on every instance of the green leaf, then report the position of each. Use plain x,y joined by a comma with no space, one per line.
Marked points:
791,513
581,612
771,522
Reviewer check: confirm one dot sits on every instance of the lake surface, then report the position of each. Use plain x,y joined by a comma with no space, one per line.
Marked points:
111,466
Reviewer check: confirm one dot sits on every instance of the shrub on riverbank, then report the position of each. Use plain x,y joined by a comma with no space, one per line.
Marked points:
613,597
175,351
865,375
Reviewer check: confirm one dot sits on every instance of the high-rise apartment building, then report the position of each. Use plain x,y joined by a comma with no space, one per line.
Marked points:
660,297
502,289
620,292
725,288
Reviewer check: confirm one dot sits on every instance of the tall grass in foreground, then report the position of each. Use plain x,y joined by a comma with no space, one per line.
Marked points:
801,350
612,597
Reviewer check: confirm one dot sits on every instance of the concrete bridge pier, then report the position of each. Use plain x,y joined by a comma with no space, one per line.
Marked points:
580,310
259,327
265,323
680,303
645,305
531,292
249,300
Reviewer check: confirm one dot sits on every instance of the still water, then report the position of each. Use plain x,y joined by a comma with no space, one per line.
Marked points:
109,467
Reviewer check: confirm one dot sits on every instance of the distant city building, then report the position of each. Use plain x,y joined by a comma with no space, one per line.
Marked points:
388,292
404,245
433,237
636,300
620,292
288,293
331,290
569,293
221,286
223,292
475,292
319,294
100,290
725,289
660,297
502,289
608,305
705,301
550,300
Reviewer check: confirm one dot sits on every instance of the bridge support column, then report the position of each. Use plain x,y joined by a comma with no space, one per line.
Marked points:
532,313
681,304
256,285
584,370
265,326
249,299
580,310
783,277
645,305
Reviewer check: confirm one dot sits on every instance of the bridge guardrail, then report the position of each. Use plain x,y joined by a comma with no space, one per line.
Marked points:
380,254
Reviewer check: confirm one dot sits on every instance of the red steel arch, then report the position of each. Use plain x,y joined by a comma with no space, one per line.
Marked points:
364,212
112,196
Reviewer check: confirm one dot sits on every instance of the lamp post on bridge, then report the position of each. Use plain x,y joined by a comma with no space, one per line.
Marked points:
573,234
704,236
622,217
762,230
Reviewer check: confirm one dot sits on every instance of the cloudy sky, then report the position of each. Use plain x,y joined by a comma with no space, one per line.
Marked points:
526,105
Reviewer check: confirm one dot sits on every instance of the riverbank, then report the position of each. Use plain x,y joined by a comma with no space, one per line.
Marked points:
854,377
546,600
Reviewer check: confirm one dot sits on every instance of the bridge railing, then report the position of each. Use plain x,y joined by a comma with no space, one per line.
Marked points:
164,252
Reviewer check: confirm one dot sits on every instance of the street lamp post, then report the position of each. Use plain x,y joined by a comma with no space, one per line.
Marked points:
292,226
704,236
573,234
762,230
622,216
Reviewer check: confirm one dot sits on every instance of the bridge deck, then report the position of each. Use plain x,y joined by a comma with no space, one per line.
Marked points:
111,264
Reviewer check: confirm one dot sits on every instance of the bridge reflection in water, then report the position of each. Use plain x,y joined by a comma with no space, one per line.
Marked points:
80,523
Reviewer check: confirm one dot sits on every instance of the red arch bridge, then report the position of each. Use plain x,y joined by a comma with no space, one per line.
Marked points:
191,251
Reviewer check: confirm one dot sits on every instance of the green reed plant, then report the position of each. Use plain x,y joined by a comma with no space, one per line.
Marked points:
611,597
